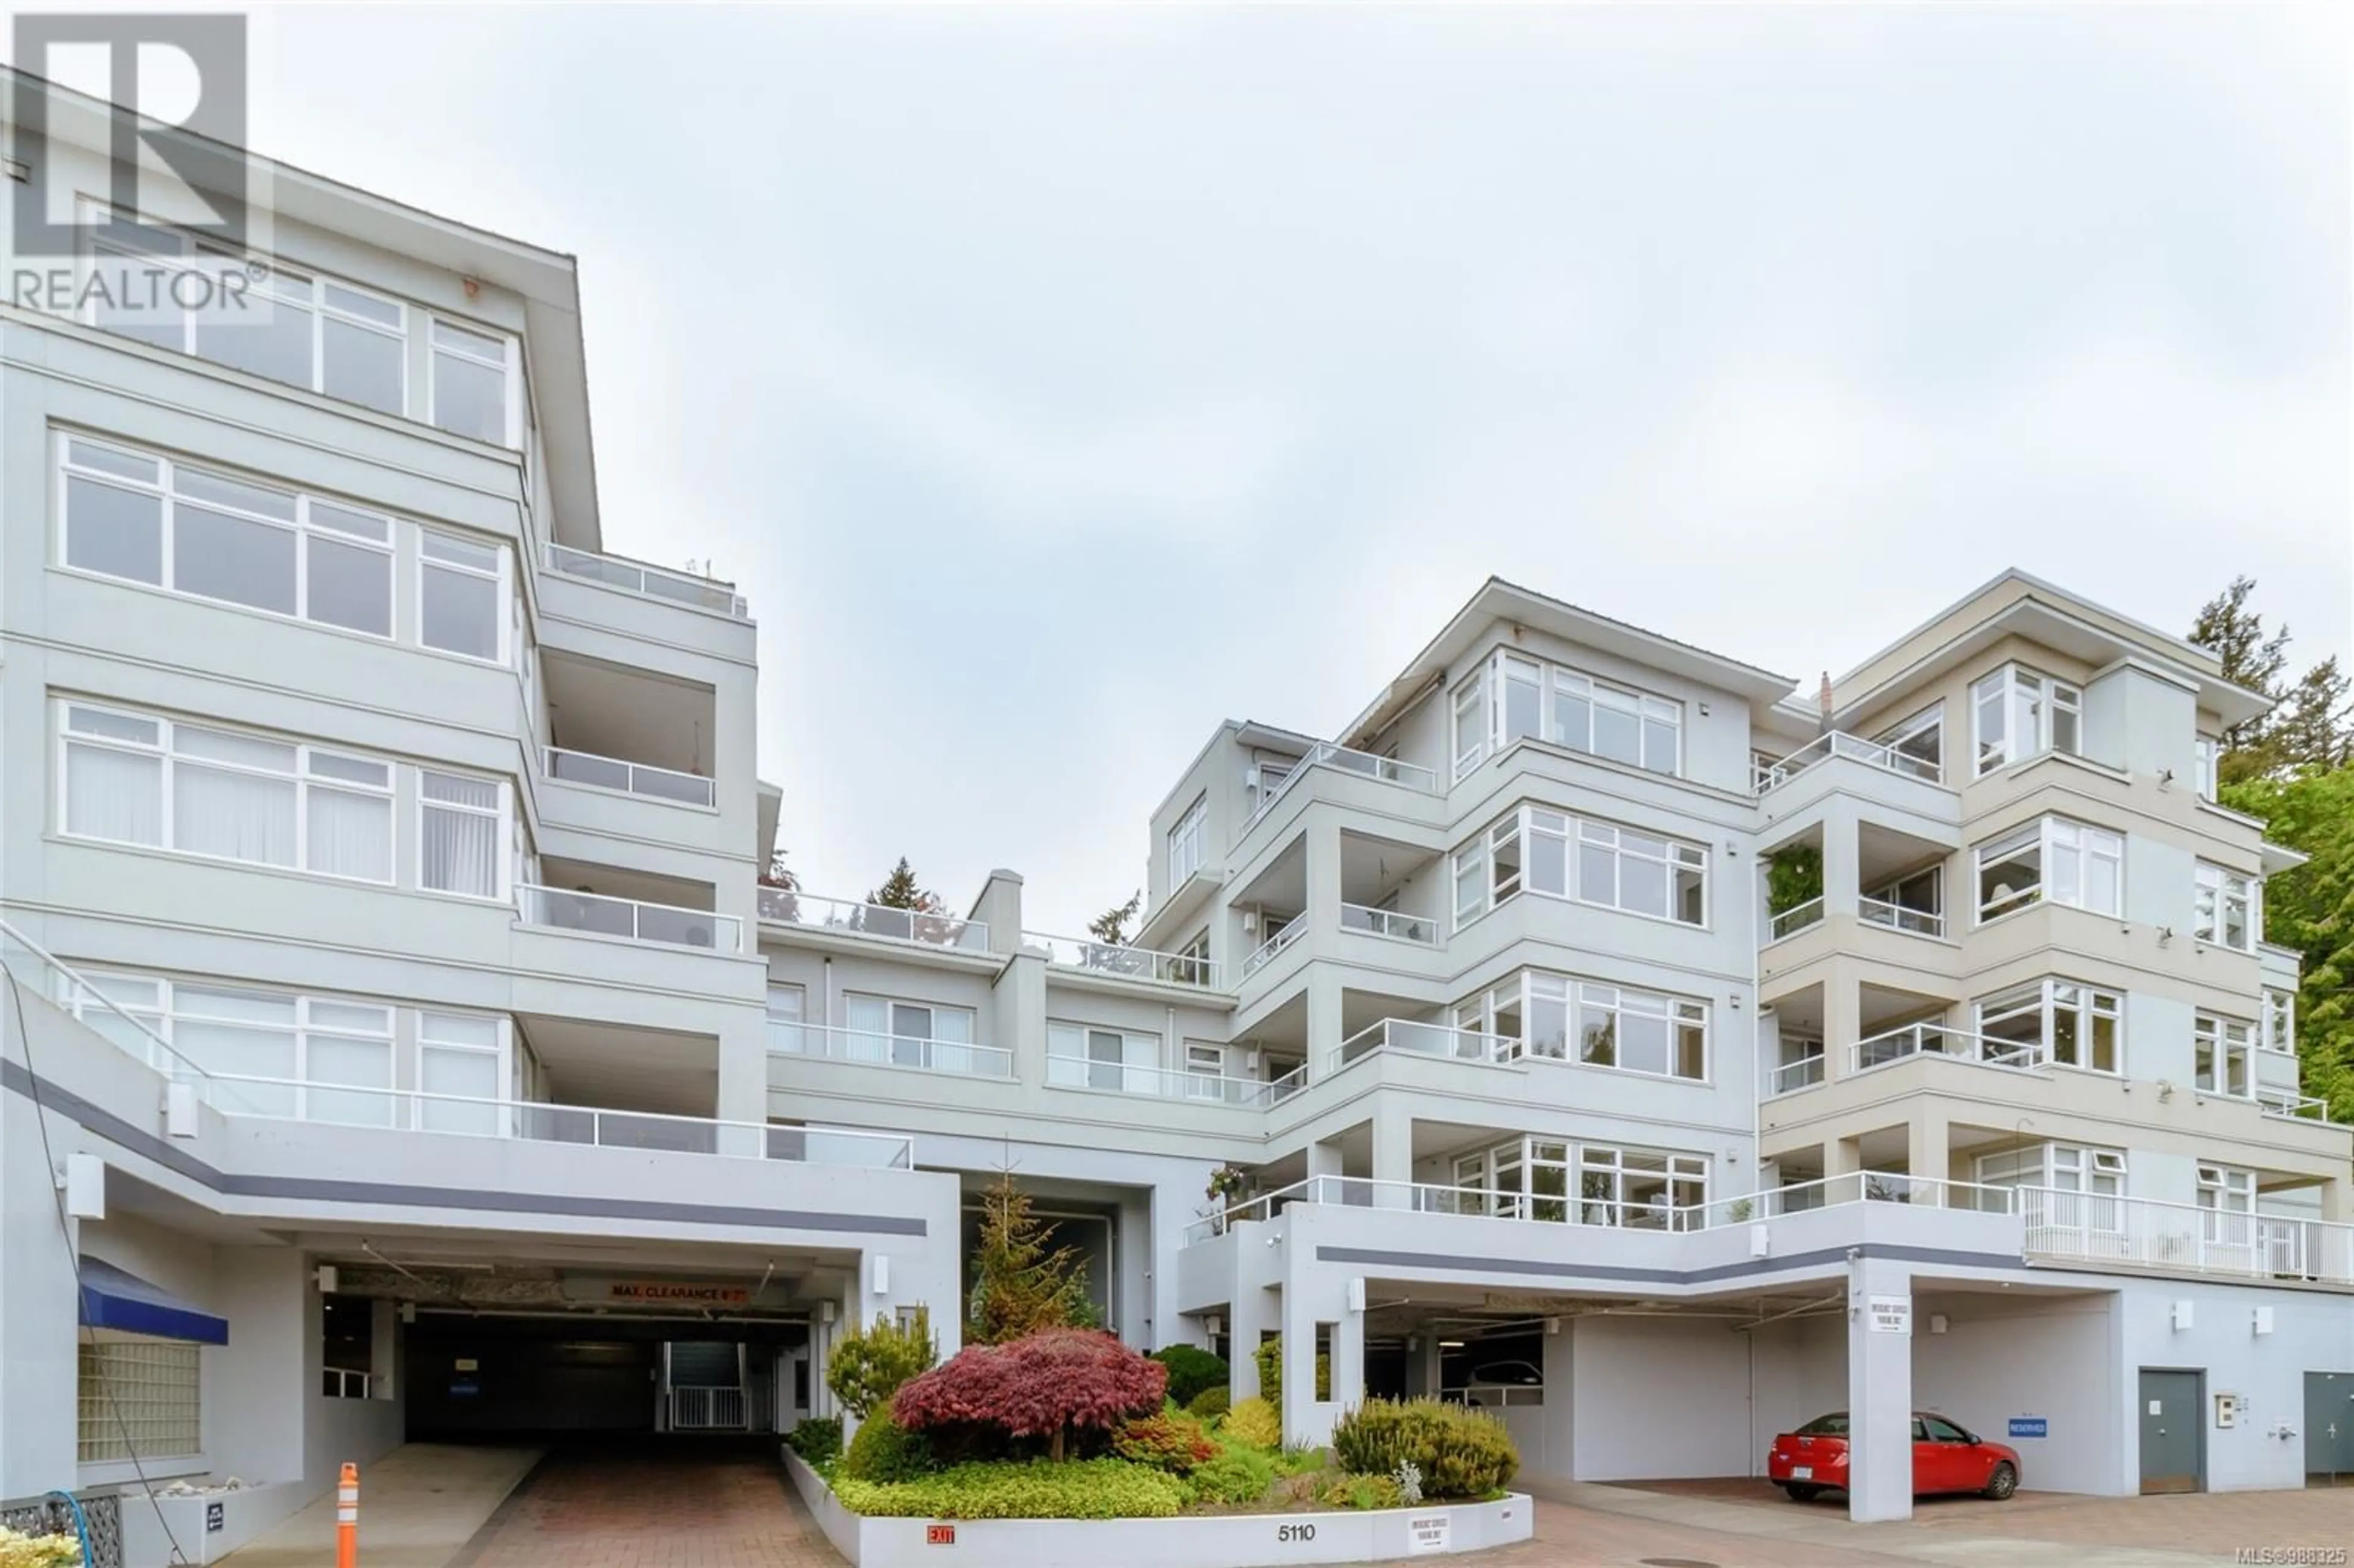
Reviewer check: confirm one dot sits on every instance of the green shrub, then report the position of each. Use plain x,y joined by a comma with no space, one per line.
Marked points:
1081,1489
1460,1453
1254,1422
38,1551
1363,1492
1298,1461
1191,1369
882,1451
1237,1475
817,1439
1170,1441
1270,1374
867,1366
1210,1402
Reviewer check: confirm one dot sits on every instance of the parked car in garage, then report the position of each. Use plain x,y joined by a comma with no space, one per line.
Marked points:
1504,1382
1946,1457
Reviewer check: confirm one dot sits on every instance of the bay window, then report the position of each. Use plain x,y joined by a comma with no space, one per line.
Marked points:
2280,1022
2018,712
1615,867
1186,842
1616,1026
2223,908
461,594
1514,697
2055,1020
2219,1049
461,829
470,382
2052,860
167,784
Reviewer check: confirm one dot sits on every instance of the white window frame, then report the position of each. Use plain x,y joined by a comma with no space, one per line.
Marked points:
303,777
2050,1000
2278,1034
895,1031
1469,711
304,526
509,367
1529,993
501,1055
2216,891
1930,721
1481,714
2056,838
1482,863
1683,1177
785,1019
1186,840
503,889
503,617
1136,1068
2226,1041
2204,755
2040,713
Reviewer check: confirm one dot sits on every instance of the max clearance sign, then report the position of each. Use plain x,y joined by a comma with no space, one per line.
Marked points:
676,1293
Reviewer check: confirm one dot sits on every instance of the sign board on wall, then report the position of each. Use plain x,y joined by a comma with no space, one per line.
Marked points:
1428,1533
661,1292
2030,1426
216,1517
1888,1314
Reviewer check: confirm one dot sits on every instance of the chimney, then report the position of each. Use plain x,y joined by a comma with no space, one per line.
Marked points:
1823,701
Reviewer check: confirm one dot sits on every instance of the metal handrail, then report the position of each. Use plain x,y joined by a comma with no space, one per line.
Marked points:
1419,929
2149,1233
926,927
1325,754
1163,1083
649,580
1795,919
636,919
1282,937
874,1048
1804,1071
1444,1040
1768,776
589,770
1932,1040
1119,958
186,1067
1898,916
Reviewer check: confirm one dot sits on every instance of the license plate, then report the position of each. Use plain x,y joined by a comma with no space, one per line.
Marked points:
1802,1472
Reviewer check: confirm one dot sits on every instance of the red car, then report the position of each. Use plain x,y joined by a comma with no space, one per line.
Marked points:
1946,1458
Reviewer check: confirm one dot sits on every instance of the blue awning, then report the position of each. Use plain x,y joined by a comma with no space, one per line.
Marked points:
112,1298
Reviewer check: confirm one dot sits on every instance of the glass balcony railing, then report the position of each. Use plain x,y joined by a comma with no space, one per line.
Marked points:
1419,929
1423,1039
874,1048
1938,1040
638,779
1388,769
929,927
1265,953
1839,743
652,582
631,918
1116,959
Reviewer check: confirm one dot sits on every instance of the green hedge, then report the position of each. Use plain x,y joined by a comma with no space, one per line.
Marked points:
818,1439
881,1451
1270,1373
1191,1369
1238,1475
1084,1488
1210,1402
1461,1453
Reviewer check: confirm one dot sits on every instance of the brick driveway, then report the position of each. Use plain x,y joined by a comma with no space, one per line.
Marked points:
651,1504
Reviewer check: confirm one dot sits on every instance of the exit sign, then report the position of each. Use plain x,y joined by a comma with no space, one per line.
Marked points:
939,1535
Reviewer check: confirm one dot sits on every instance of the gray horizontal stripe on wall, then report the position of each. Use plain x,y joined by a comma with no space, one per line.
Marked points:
1432,1260
107,1125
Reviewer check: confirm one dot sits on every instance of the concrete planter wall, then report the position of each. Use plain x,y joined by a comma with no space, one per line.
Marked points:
1238,1540
244,1514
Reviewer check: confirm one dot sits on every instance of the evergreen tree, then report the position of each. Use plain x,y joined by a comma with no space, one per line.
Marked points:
900,890
1019,1285
2311,909
1110,927
2308,726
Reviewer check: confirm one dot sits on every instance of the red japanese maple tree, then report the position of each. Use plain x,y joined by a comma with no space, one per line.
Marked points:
1058,1384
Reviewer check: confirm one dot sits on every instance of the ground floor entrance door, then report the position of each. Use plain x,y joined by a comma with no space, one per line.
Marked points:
2329,1428
2172,1456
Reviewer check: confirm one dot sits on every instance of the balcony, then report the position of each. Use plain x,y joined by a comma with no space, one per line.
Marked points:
1768,776
641,779
1266,953
1798,1073
1162,1083
924,928
632,919
2182,1238
1419,929
1438,1040
1954,1044
1620,1215
1795,919
1388,769
1898,916
870,1048
2289,1103
1115,959
650,581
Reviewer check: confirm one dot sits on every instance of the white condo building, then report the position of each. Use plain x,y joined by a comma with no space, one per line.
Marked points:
400,1041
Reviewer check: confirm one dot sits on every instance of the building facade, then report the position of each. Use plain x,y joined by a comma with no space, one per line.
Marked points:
403,1040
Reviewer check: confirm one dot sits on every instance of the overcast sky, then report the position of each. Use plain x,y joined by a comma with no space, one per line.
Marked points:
1058,383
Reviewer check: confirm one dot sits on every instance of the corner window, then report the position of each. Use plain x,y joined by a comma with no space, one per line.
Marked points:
1470,724
2053,1020
1613,866
1513,697
2051,861
2224,909
462,825
1186,842
2018,714
2280,1022
2203,753
461,594
2219,1048
1917,746
470,383
1551,1017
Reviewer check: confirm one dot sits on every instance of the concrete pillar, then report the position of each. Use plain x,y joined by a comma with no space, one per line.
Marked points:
269,1365
1929,1137
1393,1157
39,1371
1321,844
1017,1016
1879,1391
742,1098
1557,1453
1842,1157
1348,1360
1323,1157
1255,1309
1422,1365
1842,860
2337,1201
1842,1022
1301,1421
1323,998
